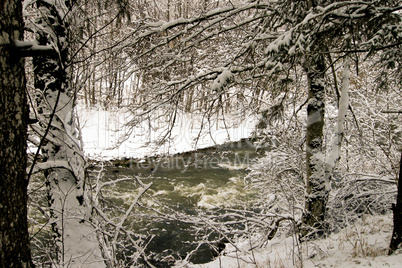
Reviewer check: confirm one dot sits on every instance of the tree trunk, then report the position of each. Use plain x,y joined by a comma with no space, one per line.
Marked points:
64,164
317,187
396,239
14,238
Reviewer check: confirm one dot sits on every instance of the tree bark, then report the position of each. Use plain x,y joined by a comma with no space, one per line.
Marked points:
317,189
396,239
14,238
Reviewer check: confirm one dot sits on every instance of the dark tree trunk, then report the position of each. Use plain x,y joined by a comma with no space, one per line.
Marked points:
316,181
316,185
396,239
14,238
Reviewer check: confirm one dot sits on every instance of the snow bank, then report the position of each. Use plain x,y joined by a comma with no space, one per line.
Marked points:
105,135
364,244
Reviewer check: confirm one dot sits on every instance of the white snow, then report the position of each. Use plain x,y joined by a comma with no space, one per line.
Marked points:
105,135
224,78
334,153
363,244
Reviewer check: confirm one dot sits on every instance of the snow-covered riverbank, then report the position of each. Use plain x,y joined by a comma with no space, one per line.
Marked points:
106,135
362,244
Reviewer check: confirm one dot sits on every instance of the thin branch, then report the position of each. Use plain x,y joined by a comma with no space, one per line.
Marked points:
392,112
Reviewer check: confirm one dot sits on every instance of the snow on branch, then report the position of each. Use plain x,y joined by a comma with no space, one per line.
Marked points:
334,154
227,11
222,80
144,188
32,49
71,164
51,165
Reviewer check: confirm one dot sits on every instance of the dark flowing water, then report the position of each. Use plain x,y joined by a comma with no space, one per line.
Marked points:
204,181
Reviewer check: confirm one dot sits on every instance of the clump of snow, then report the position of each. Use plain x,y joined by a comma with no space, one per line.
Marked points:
223,79
343,108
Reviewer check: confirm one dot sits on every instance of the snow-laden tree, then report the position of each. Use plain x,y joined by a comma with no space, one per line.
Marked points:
105,75
72,30
14,239
63,161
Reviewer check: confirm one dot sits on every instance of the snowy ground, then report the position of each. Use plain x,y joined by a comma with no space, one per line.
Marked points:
104,134
364,244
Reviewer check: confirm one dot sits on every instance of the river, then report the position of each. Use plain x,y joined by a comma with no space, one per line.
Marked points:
187,190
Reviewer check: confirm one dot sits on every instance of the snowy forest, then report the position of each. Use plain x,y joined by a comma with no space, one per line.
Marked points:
200,133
